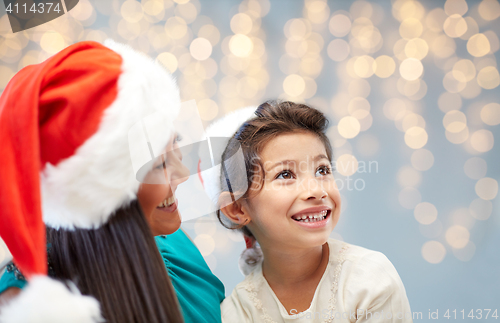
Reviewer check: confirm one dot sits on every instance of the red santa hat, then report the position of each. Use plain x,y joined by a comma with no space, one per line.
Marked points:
66,157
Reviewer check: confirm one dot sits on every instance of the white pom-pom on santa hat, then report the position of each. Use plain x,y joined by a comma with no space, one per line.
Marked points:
250,258
45,300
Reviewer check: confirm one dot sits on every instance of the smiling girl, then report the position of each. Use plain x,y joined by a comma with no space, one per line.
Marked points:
290,208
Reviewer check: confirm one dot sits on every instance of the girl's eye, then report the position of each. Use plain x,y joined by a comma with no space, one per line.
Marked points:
177,138
324,170
286,174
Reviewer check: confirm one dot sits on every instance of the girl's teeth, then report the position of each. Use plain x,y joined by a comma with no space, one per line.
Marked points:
311,217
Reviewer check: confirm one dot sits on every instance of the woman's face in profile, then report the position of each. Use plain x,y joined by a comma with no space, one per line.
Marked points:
158,201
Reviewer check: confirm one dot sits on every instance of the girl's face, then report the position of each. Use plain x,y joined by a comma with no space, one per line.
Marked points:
299,204
158,201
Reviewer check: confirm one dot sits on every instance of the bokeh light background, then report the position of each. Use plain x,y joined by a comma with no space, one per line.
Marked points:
412,92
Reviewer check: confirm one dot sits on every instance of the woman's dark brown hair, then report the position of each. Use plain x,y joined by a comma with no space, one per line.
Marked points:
119,265
273,118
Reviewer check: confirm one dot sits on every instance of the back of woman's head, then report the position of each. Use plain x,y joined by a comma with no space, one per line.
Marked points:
273,118
119,265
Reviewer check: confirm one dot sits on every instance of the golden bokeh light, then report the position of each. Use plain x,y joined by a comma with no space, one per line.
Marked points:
349,127
207,109
481,209
338,50
464,70
241,23
205,244
443,46
402,9
411,69
241,45
489,9
488,78
482,140
422,159
52,42
463,218
409,177
384,66
359,88
5,75
455,26
451,84
347,165
478,45
416,48
176,27
455,7
297,29
394,107
455,121
435,19
359,108
433,252
449,101
409,197
471,90
416,137
487,188
490,114
339,25
153,7
457,137
168,60
317,11
425,213
132,11
457,236
475,168
411,28
211,33
493,39
366,122
412,120
294,85
472,28
204,225
200,49
363,66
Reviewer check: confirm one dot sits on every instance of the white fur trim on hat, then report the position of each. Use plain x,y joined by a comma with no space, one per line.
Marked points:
85,189
224,127
45,300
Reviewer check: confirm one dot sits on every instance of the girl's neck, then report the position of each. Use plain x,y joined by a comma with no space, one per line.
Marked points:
295,266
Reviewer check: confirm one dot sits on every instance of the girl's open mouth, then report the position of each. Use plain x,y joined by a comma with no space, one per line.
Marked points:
312,217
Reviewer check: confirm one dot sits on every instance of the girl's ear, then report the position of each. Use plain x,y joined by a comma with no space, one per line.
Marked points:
233,210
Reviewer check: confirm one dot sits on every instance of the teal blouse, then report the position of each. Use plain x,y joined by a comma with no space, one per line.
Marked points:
198,290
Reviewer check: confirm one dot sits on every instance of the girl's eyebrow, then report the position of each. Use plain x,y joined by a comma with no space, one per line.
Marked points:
289,161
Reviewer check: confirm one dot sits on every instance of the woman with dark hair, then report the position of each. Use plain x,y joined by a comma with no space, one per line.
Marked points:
69,183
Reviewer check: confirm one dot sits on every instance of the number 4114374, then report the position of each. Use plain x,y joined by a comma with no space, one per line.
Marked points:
42,8
477,314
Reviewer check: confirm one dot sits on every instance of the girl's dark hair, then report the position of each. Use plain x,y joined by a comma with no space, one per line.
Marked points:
273,118
119,265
